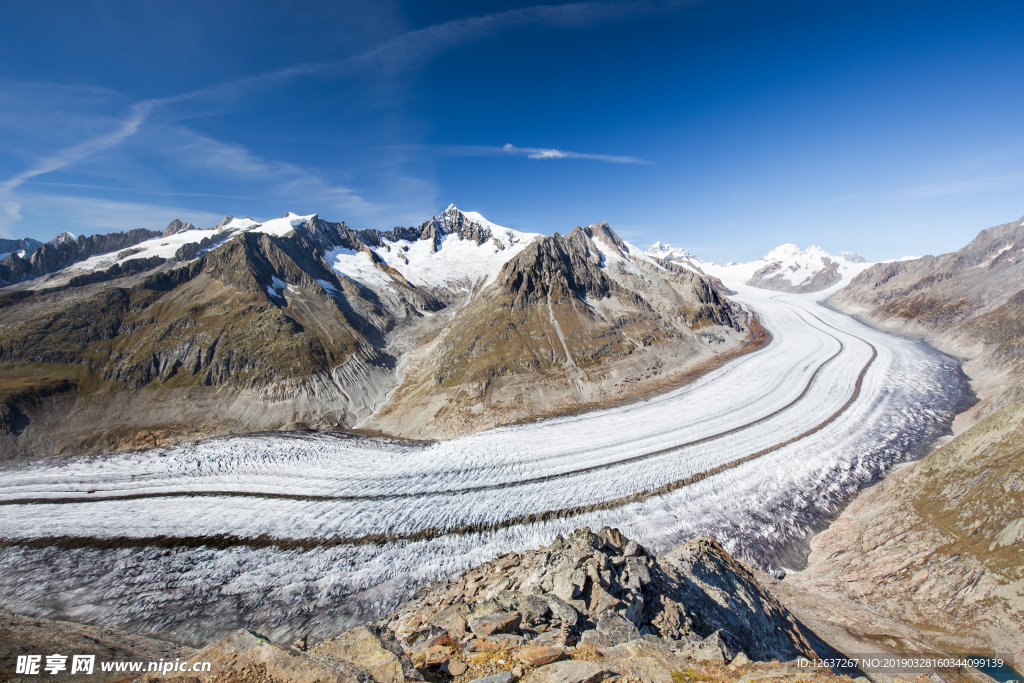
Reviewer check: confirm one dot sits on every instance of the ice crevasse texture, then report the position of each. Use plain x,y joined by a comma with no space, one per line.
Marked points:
305,534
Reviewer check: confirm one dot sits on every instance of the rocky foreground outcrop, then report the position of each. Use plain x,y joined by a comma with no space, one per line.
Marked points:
606,590
587,608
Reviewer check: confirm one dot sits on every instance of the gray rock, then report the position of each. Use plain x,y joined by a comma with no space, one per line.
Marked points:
616,629
569,585
572,672
740,660
503,677
714,647
499,622
549,638
596,638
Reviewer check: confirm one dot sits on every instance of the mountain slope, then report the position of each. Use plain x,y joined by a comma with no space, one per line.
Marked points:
949,529
22,247
574,320
969,303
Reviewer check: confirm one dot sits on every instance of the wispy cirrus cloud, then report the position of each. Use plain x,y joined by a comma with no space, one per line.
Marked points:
402,52
203,152
70,155
528,152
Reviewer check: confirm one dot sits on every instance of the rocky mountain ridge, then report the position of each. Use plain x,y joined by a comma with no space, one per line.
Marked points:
20,246
148,337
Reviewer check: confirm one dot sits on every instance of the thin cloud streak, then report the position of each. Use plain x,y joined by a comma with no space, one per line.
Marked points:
510,149
70,155
542,153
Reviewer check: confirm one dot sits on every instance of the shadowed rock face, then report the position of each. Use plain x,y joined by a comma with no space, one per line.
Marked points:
556,266
606,590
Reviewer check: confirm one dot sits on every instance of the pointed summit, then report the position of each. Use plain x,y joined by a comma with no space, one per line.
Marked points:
63,238
176,226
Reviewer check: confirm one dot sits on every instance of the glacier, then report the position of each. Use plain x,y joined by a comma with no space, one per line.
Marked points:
306,534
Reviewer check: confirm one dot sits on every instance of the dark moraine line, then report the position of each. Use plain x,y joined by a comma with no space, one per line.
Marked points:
224,541
65,500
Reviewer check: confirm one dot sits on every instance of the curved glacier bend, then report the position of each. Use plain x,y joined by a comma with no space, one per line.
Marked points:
825,408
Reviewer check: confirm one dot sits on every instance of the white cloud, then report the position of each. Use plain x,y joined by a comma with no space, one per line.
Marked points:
286,180
70,155
542,153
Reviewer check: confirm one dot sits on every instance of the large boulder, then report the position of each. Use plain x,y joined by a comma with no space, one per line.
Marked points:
372,648
248,656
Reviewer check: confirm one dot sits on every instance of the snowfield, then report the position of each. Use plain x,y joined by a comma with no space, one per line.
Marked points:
299,534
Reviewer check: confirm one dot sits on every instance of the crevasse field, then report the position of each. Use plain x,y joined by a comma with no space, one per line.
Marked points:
304,534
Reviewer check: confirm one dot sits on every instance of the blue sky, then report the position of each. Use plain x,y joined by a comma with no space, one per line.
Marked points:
728,127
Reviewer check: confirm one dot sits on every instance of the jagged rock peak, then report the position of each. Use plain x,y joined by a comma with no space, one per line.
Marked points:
604,233
176,226
63,238
556,267
451,221
227,219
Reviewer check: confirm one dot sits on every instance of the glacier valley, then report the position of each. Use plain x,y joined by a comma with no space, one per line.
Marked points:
307,533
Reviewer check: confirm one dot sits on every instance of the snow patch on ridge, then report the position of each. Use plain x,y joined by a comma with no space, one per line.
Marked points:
359,267
456,261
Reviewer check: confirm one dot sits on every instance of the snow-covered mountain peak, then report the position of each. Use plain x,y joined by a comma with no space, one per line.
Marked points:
789,268
783,251
278,226
62,238
176,226
454,250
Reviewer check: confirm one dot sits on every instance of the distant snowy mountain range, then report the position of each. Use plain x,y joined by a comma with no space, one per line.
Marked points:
442,258
786,268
